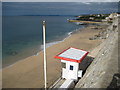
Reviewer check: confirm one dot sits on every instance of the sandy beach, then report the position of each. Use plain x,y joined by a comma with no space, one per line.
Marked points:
28,73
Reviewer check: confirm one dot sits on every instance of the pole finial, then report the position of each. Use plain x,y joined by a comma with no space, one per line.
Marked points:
44,22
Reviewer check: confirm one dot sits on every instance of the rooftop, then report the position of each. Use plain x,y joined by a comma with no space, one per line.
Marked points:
72,54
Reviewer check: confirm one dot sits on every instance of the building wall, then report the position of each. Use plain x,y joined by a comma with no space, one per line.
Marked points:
70,74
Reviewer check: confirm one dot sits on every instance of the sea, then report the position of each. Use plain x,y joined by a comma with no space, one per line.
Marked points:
22,25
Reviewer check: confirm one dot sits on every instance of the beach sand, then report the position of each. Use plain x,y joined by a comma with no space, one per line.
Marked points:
28,73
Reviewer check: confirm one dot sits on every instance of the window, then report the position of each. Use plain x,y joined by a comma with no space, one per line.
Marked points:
71,67
63,65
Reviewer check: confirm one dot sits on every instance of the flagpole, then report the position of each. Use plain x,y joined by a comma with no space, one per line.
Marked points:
45,69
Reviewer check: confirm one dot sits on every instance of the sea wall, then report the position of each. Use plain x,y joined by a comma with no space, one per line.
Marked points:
103,71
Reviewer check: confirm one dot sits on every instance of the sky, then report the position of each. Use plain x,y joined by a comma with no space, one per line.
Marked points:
57,8
59,0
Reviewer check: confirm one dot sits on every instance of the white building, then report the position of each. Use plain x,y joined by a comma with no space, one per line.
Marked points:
70,59
113,15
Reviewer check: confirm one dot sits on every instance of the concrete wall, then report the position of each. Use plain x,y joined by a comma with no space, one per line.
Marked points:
103,71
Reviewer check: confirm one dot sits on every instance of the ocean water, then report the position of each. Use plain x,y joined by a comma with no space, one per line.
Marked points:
22,25
22,35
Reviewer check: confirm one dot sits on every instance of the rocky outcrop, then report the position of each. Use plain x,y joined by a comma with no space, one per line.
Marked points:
103,71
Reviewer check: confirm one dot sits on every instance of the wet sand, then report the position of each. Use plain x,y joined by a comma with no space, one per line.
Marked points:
28,73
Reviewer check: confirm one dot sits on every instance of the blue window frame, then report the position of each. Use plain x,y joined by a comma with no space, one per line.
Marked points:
71,67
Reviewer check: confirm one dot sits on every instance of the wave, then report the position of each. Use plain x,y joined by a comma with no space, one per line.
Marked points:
50,44
56,42
69,33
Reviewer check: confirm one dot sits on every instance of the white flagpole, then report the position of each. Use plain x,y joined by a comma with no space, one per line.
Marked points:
45,69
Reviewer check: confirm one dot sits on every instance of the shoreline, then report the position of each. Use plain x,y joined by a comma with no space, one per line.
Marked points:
30,69
49,44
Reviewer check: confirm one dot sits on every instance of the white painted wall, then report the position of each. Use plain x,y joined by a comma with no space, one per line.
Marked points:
70,74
